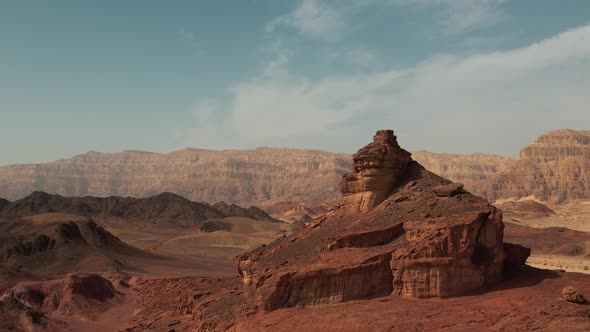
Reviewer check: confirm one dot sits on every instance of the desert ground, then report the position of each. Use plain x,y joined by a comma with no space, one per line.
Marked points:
409,251
558,241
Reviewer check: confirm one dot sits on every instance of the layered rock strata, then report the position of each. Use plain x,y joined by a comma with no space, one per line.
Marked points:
244,177
398,229
469,169
377,169
554,168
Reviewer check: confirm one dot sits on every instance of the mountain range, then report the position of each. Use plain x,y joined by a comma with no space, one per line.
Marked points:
554,168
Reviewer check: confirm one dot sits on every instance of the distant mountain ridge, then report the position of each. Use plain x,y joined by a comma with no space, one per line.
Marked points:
469,169
165,208
245,177
554,168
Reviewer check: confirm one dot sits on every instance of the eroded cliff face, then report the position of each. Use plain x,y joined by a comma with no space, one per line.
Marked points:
554,168
423,237
468,169
245,177
447,261
558,145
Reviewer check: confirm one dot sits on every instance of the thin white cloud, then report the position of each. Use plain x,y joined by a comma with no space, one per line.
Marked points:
462,16
313,18
327,20
436,104
357,56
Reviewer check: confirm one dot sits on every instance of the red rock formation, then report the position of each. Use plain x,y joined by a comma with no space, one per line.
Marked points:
572,294
46,305
52,244
377,169
516,256
399,229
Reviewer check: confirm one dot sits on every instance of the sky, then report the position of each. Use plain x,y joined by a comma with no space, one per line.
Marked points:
454,76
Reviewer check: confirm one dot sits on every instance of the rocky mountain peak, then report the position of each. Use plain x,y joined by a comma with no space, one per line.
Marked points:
565,136
386,136
377,168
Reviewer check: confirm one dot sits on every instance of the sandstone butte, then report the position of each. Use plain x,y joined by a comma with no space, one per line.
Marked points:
397,230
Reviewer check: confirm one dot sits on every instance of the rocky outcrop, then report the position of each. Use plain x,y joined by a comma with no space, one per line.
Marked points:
253,212
244,177
47,305
448,189
54,243
332,285
292,212
413,234
525,209
554,168
572,294
67,296
367,239
447,261
516,256
3,203
377,169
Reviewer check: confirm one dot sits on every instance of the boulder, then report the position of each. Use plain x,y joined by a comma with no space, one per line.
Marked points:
516,256
572,294
448,190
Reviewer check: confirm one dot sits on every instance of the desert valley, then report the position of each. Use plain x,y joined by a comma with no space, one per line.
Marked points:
295,165
243,240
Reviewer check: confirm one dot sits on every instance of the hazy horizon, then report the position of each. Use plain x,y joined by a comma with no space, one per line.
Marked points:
447,76
246,149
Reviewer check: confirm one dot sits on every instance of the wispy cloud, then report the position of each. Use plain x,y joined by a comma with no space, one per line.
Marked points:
357,56
460,16
328,20
314,18
448,97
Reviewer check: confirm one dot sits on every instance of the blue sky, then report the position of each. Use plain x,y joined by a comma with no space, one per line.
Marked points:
447,75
